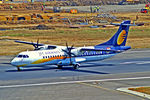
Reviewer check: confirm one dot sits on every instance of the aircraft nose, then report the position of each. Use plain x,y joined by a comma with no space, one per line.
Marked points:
14,62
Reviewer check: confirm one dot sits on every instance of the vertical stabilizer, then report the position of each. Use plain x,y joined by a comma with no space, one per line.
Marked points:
120,38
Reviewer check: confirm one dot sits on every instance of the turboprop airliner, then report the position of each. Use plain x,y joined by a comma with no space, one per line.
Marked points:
70,55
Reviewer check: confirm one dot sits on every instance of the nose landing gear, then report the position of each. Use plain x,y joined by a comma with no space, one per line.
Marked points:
76,66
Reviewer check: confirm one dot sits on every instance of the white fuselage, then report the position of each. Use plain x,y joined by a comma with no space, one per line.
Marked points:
55,56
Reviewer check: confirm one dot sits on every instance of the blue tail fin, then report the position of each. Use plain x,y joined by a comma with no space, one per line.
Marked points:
120,38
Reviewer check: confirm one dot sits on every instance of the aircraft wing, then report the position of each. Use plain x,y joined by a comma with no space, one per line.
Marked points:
30,43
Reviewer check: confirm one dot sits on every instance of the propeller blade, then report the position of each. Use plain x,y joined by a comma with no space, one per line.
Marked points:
33,44
37,43
65,51
68,52
66,44
72,47
73,54
36,46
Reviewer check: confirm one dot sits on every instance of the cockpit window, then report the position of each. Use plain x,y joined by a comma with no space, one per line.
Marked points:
23,56
19,56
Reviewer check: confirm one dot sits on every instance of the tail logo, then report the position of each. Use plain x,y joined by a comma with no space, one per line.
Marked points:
121,37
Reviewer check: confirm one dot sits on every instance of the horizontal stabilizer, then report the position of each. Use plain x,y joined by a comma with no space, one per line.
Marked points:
118,24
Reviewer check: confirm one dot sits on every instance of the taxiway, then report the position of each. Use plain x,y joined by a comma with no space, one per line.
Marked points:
92,81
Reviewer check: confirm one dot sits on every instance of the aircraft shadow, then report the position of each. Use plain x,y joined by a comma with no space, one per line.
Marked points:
33,69
6,63
96,65
70,68
81,70
56,69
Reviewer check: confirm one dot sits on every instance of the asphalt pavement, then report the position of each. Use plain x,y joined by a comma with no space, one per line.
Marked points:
92,81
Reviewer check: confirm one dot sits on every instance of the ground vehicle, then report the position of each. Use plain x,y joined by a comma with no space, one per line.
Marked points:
144,10
147,6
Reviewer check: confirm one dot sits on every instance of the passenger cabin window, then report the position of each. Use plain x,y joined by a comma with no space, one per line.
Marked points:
51,47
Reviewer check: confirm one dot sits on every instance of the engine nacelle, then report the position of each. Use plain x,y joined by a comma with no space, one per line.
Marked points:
65,62
46,47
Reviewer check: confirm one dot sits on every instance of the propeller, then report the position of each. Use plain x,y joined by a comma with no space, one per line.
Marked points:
36,46
68,52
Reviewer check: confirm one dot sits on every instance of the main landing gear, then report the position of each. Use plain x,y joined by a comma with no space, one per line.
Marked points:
18,68
59,67
75,66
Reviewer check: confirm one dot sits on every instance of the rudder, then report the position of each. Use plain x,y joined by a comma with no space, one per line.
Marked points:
120,37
